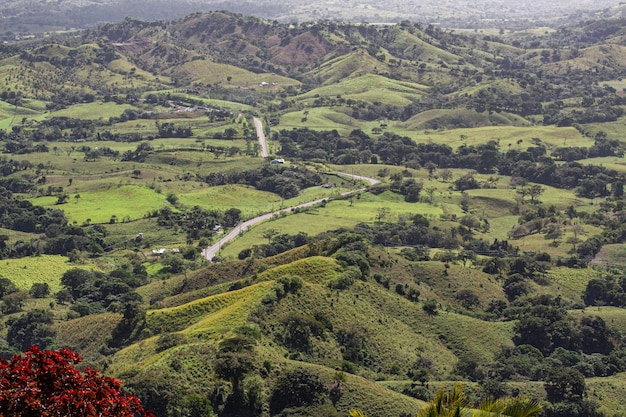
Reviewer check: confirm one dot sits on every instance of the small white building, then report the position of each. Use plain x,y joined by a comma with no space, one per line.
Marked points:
161,251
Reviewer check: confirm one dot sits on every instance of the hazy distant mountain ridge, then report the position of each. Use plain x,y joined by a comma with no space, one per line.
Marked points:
22,16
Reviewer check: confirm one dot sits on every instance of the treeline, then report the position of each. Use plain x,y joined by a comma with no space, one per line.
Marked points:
532,164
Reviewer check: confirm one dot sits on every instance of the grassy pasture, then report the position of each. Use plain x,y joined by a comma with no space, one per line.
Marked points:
310,222
611,256
370,88
610,162
92,111
87,334
356,63
614,317
325,118
209,72
609,392
467,118
478,339
571,283
15,236
199,314
24,272
12,116
508,136
127,201
247,199
316,269
320,118
123,66
501,86
558,197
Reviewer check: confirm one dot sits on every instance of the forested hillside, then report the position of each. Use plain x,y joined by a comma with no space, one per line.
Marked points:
467,224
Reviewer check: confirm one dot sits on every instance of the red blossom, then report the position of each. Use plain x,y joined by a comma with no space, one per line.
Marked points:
46,384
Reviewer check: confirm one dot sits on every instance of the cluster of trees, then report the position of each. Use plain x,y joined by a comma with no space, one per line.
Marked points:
284,181
23,216
197,222
614,232
169,130
11,166
92,292
87,292
607,290
554,348
13,298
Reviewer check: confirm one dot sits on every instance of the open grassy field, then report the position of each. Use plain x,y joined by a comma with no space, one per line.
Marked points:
519,135
88,334
249,200
608,392
514,137
370,88
214,73
92,111
464,118
125,202
24,272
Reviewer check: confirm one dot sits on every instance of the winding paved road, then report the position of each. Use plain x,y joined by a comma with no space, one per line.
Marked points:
210,252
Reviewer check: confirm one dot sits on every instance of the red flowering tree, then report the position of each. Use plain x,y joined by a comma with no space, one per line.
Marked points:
45,383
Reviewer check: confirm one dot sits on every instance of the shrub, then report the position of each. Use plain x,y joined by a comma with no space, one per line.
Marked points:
169,340
296,388
40,290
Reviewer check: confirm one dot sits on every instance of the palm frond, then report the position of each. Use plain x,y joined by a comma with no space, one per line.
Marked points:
522,407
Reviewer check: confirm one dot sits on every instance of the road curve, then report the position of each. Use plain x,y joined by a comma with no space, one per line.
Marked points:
210,252
260,134
372,181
